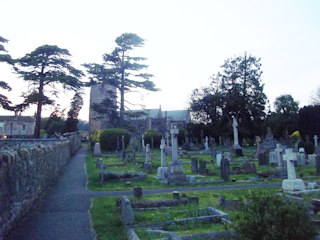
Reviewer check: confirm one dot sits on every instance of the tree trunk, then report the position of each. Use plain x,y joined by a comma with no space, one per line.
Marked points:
39,110
122,92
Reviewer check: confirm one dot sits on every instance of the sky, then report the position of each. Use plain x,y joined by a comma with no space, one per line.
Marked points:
186,41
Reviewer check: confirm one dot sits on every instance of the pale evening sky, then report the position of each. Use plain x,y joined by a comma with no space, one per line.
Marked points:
186,41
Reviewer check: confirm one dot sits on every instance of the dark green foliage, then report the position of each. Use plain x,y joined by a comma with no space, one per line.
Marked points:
265,216
149,134
308,147
309,121
109,138
44,68
55,123
236,91
72,120
285,117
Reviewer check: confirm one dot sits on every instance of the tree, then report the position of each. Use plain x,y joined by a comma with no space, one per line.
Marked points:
265,216
237,91
55,123
315,99
285,117
72,119
122,70
309,121
4,101
45,68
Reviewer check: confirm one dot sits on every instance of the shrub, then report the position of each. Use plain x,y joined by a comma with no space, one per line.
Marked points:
265,216
308,147
149,134
296,136
95,136
109,138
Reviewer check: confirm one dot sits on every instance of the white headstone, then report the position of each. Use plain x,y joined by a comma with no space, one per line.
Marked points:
290,158
219,158
278,152
235,131
142,140
147,153
301,150
315,138
163,154
174,141
292,183
97,150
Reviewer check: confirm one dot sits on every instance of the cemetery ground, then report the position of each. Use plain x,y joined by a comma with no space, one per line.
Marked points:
114,164
106,218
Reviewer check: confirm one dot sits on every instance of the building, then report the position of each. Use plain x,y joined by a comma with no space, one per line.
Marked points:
17,126
156,119
159,120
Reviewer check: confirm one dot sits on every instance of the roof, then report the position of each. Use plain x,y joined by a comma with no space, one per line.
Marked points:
173,115
17,119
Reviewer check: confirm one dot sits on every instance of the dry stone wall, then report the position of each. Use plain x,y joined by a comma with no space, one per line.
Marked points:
27,168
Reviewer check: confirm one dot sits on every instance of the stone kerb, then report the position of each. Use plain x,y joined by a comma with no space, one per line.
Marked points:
26,173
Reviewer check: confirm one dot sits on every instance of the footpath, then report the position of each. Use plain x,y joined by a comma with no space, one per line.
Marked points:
64,214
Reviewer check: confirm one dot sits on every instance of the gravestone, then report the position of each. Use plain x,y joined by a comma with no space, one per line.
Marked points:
258,140
133,156
127,216
176,195
148,164
206,146
218,159
318,165
280,170
273,159
296,145
312,159
203,167
249,167
301,157
175,172
123,154
162,170
194,165
315,138
137,192
236,148
262,158
97,150
167,135
224,169
269,142
213,152
292,183
227,155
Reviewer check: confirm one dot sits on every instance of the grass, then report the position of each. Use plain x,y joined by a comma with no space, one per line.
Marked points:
107,224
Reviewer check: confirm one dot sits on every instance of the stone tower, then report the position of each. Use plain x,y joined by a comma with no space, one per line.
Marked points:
98,93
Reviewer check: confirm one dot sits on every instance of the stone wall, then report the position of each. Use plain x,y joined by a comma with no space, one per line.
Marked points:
26,170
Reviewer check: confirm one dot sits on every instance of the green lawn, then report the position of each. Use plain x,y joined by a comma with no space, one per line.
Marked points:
107,224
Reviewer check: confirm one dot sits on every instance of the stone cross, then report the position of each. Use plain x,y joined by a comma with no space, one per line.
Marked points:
278,151
315,138
174,142
147,153
206,144
290,158
163,155
168,138
142,140
235,131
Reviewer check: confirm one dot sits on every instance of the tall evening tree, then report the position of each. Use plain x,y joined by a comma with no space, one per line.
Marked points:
44,69
124,70
72,119
6,58
235,91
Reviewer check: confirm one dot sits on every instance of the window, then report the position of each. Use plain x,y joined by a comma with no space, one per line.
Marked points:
23,128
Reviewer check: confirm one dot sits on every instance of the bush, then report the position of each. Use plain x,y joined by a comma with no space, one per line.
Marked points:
265,216
109,138
95,137
296,136
149,134
308,147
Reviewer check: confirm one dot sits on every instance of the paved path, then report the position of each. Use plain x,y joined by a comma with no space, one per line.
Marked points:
64,214
65,211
